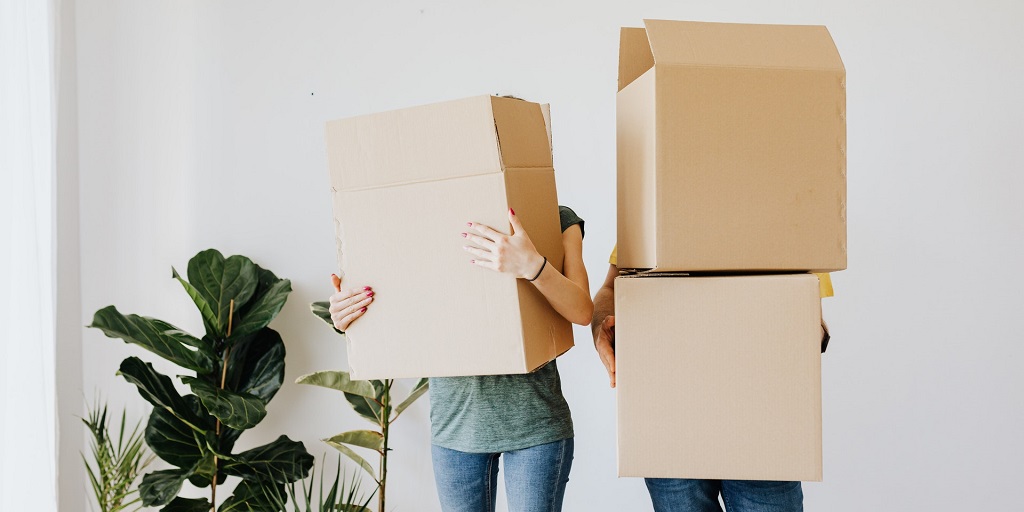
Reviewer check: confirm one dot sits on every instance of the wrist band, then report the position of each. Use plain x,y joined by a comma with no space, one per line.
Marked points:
539,271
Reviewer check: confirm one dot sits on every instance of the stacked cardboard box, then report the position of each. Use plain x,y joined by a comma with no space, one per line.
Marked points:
404,184
731,187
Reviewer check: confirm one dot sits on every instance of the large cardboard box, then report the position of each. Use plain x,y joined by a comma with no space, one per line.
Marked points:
731,148
405,183
719,377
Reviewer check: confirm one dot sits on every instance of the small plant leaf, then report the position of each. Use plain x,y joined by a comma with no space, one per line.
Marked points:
158,389
322,310
256,365
418,390
221,281
160,487
268,299
237,410
364,438
157,336
281,461
254,496
210,320
187,505
340,381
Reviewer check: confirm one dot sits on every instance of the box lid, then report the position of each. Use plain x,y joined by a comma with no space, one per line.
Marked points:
691,43
467,137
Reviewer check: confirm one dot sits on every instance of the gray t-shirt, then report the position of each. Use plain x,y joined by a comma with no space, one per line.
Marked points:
501,413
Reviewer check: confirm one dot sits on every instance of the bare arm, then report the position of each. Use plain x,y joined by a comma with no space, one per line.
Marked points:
568,291
603,323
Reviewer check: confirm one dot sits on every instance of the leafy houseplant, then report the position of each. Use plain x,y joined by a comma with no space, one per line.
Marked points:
117,462
238,366
372,400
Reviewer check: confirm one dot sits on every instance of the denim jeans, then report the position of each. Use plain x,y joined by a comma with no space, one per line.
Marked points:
535,478
686,495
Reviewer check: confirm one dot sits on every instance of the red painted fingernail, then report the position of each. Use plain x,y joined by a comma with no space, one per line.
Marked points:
369,294
363,310
367,288
472,261
469,224
463,235
513,211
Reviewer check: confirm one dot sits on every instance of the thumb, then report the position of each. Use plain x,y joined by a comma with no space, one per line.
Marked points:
336,281
517,227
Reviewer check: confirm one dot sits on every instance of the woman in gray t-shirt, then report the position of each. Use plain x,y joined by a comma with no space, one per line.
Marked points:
476,420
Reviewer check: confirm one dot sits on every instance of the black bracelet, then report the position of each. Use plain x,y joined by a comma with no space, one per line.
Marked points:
539,271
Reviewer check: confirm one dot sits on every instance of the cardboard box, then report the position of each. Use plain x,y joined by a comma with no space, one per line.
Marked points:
404,184
719,377
731,148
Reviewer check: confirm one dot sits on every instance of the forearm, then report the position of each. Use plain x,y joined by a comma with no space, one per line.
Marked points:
604,306
568,298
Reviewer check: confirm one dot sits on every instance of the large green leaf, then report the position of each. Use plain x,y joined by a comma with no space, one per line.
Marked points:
322,310
158,389
281,461
256,365
363,438
417,391
268,299
237,410
210,320
173,440
254,496
221,280
187,505
340,381
157,336
160,487
358,459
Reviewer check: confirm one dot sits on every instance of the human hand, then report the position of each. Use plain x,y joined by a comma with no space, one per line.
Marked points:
513,254
348,305
604,342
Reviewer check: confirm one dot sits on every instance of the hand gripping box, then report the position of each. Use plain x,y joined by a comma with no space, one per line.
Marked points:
719,377
404,185
731,148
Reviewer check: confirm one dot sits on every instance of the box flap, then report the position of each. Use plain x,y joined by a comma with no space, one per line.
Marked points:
740,45
634,55
522,133
430,142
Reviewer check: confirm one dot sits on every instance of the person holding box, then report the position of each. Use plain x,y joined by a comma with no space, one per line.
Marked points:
475,420
695,495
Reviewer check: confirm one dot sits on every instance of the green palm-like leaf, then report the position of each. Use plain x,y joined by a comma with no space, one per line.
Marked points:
256,365
322,310
281,461
418,390
340,381
358,459
221,280
268,299
210,320
236,410
187,505
364,438
158,389
157,336
160,487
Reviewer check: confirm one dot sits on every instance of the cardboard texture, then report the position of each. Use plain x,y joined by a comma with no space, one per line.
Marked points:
719,377
404,185
731,148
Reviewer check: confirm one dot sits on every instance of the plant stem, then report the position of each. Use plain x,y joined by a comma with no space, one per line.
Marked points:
385,426
223,380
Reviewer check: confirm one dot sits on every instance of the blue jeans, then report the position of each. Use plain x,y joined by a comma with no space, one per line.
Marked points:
535,478
686,495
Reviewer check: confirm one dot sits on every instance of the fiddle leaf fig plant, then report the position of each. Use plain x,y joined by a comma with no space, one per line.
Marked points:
370,399
234,369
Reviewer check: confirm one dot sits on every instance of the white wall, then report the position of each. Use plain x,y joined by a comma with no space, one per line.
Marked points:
201,126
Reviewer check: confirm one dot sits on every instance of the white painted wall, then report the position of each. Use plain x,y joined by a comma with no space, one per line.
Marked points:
201,126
